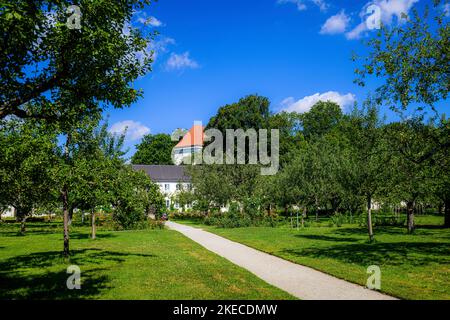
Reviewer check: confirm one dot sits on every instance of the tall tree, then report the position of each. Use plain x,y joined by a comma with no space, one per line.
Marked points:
250,112
43,59
321,119
154,149
412,58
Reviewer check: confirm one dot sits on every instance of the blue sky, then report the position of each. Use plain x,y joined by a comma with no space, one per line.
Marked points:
212,52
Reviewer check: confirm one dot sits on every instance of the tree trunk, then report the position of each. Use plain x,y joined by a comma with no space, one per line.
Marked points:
317,209
93,223
369,217
447,213
410,214
65,201
23,228
303,217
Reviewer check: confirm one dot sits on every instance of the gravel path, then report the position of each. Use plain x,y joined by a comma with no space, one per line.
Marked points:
300,281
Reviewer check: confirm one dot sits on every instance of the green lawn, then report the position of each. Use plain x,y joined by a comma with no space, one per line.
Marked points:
150,264
412,266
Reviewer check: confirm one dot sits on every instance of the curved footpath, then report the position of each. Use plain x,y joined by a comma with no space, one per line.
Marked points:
300,281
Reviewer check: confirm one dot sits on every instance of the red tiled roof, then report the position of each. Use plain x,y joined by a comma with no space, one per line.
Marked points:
194,137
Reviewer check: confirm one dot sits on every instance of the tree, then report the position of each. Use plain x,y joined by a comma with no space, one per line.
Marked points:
154,149
26,160
413,59
218,185
322,118
412,178
365,165
94,65
133,194
250,112
289,126
95,167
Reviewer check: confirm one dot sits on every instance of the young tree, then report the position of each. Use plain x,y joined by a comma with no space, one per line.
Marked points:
408,141
365,165
26,161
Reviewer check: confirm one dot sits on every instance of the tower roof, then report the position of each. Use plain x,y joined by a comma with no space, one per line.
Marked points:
194,137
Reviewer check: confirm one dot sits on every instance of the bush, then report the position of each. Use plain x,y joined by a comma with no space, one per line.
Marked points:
188,215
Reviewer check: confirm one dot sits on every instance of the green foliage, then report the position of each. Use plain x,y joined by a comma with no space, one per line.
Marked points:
26,160
94,66
133,195
154,149
412,58
250,112
321,119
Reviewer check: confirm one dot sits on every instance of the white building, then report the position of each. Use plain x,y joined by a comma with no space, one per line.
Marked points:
170,180
192,142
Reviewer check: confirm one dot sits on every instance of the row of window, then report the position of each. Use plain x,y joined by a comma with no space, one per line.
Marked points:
177,205
166,186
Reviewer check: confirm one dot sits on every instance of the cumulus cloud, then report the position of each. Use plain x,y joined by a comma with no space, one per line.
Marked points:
301,4
336,24
389,9
134,130
160,46
180,62
305,104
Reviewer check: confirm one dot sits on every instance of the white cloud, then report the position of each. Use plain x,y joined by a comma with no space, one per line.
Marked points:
306,103
446,8
301,4
388,9
356,32
336,24
134,130
180,62
150,21
160,46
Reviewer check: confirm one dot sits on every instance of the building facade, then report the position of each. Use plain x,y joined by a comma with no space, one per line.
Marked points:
170,179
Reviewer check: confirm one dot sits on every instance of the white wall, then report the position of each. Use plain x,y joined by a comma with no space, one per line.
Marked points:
9,213
169,189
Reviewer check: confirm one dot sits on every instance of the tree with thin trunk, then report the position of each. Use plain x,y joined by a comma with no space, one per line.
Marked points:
365,166
26,160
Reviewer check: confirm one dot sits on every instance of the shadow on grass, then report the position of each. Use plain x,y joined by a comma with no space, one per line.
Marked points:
364,254
16,282
326,238
102,235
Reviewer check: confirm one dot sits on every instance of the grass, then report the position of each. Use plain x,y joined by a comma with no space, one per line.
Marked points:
413,266
148,264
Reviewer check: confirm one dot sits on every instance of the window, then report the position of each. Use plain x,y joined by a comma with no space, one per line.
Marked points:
177,205
178,186
167,203
167,187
